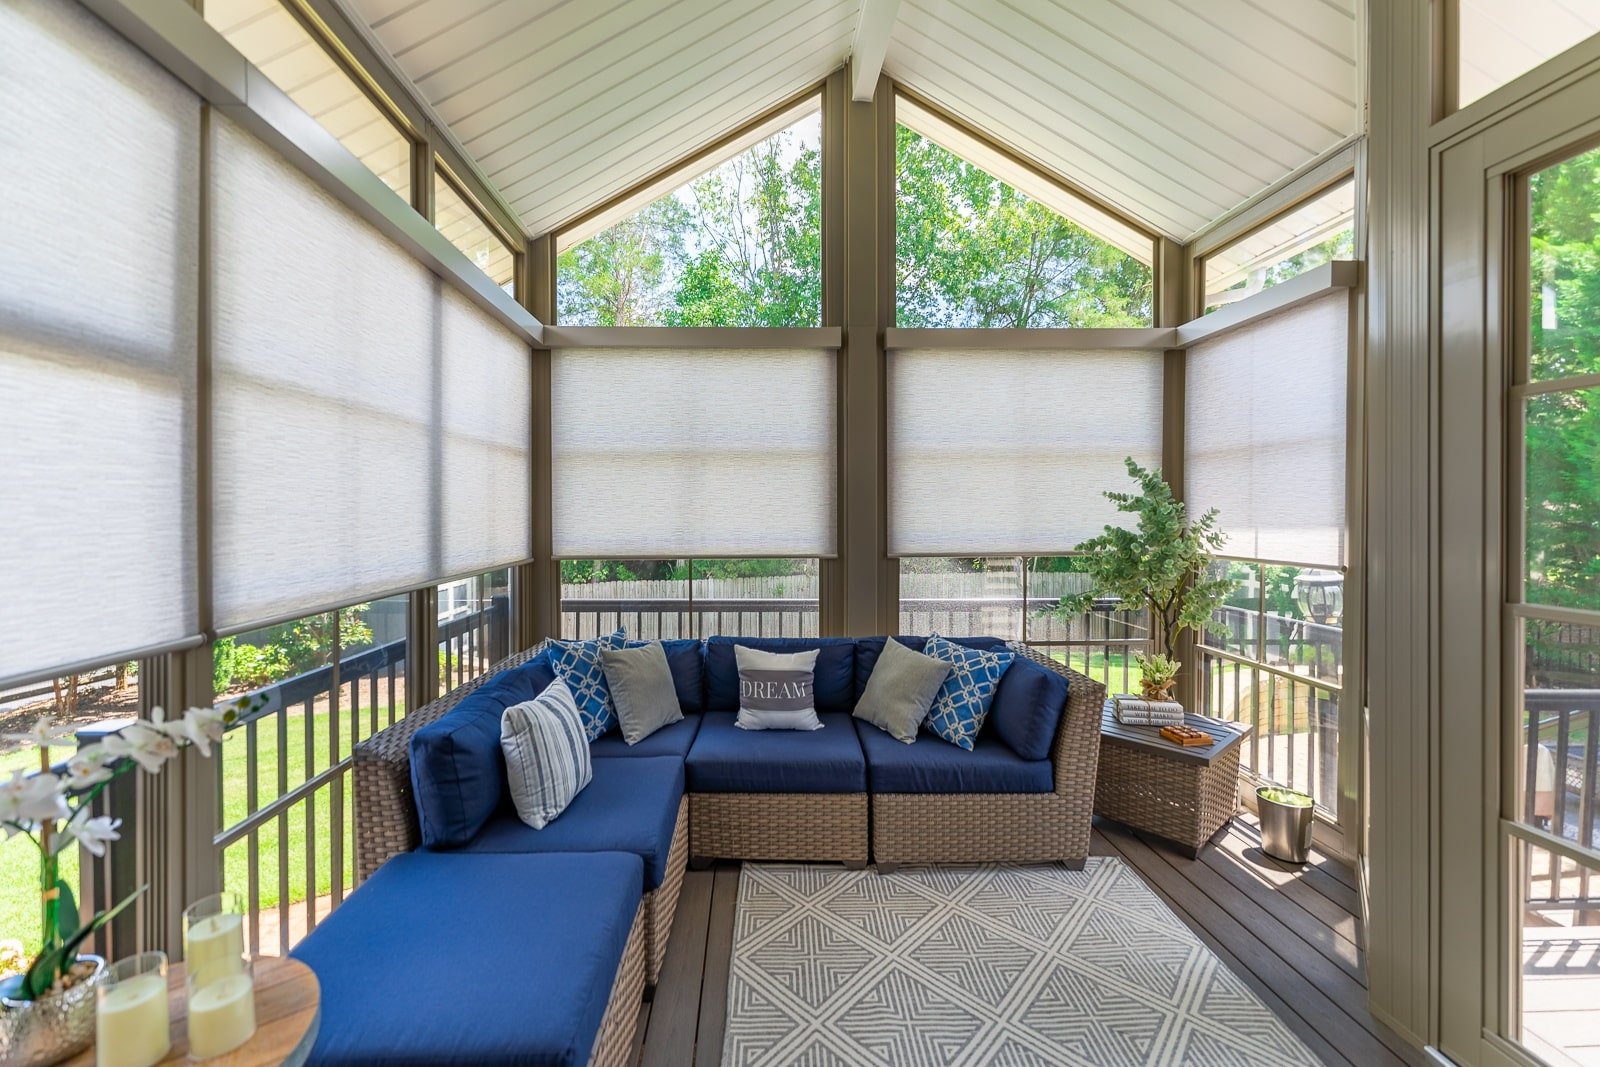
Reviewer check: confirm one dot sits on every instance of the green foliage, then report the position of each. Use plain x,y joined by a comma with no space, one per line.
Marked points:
287,649
1164,564
224,660
972,251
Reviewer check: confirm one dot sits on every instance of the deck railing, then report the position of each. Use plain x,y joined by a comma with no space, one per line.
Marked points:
1561,778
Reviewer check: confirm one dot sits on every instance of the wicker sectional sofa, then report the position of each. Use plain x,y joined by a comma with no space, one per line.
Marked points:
431,790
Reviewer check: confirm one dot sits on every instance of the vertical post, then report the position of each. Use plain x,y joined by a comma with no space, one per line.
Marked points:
870,577
538,598
1174,297
422,646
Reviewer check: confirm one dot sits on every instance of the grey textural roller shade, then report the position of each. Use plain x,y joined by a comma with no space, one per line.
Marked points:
369,425
1007,453
1266,430
675,453
101,149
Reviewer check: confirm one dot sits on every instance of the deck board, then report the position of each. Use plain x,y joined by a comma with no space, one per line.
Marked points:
1291,934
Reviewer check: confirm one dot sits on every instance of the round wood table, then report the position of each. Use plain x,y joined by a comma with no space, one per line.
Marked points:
288,1011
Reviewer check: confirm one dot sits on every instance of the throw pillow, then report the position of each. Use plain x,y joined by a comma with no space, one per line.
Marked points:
547,754
641,687
578,664
901,690
776,690
964,699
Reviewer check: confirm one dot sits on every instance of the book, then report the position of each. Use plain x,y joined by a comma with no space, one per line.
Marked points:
1136,711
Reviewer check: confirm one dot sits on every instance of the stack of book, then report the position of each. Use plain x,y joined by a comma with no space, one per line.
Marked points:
1137,711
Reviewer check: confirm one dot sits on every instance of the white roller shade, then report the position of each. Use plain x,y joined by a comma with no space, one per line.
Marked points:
1009,453
669,454
338,363
97,343
1266,430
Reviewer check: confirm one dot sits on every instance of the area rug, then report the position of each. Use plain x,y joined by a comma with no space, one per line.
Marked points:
981,965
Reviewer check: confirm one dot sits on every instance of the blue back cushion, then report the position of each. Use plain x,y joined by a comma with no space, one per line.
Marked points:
687,663
458,774
834,682
1027,708
868,649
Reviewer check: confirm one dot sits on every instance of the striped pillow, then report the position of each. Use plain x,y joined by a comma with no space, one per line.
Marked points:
547,754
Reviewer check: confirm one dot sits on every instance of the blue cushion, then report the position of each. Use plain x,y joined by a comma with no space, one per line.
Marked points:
726,759
630,806
673,740
1027,708
458,773
963,702
868,649
834,680
931,766
686,660
485,960
578,664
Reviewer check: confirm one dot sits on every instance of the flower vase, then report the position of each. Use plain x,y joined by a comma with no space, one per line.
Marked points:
37,1033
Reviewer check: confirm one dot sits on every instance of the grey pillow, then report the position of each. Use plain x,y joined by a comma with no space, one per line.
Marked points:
547,754
641,687
900,691
777,690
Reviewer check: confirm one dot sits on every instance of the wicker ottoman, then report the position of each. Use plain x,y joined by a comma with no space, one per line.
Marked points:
1182,794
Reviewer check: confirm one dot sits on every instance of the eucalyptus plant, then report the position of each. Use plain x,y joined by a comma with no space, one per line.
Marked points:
52,808
1163,564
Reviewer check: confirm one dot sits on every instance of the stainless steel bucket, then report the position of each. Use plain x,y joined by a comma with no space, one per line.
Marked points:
1285,827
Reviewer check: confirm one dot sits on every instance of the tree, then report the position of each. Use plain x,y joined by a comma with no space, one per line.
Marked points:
615,278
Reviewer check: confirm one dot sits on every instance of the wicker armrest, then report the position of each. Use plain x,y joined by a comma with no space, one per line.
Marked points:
1076,750
385,814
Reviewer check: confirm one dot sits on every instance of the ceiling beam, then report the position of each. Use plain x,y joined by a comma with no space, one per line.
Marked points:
870,46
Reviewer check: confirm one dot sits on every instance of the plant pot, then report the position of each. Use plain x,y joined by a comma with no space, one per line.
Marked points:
1157,692
1285,823
37,1033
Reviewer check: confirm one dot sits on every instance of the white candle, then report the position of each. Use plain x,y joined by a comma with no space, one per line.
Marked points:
213,947
130,1025
222,1016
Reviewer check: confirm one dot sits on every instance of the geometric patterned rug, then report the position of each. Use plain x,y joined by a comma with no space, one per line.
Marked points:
988,965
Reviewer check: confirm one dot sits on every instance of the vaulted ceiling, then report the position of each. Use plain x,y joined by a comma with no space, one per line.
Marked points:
1174,111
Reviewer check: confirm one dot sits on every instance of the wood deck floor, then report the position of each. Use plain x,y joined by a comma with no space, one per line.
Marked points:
1292,934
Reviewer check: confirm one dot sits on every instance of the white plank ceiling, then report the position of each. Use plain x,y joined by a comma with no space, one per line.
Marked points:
1175,111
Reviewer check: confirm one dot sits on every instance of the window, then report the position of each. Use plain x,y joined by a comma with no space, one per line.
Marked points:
273,38
456,218
740,245
676,598
981,241
1317,232
307,691
474,626
647,597
754,597
1019,598
1500,40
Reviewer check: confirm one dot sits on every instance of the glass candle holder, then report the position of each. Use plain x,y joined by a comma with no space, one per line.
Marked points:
213,936
222,1011
131,1023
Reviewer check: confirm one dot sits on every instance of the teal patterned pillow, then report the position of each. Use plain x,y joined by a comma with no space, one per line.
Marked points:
577,663
963,701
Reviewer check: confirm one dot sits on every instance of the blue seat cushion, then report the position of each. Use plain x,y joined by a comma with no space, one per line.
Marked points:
1027,707
834,680
726,759
673,740
630,806
458,773
868,649
932,765
473,959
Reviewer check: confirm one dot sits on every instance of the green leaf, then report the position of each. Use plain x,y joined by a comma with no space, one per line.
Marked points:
67,910
46,970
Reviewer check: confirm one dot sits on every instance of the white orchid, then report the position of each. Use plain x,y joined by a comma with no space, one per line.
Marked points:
199,727
28,800
42,734
146,743
90,765
93,834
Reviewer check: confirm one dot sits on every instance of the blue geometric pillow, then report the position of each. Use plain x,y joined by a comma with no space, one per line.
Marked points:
963,701
577,663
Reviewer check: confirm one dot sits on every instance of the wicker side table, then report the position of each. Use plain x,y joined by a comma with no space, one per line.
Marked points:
1182,794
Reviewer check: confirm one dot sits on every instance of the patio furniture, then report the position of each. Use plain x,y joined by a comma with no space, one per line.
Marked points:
1184,794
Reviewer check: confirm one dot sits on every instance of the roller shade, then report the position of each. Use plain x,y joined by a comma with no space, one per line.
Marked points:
1009,453
1266,432
680,453
361,439
98,301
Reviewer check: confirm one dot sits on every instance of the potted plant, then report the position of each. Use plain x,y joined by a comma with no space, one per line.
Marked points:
1163,564
47,1011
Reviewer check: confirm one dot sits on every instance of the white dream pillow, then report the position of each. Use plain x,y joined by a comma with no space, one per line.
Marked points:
776,690
547,754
